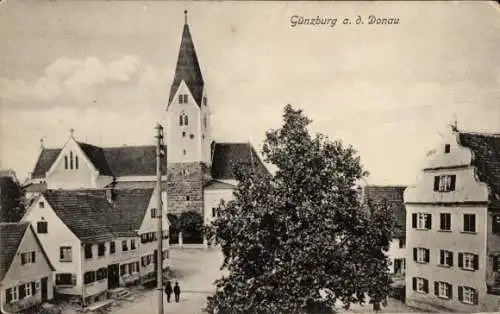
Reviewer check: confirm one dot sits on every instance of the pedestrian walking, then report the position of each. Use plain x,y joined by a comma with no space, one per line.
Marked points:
177,292
168,290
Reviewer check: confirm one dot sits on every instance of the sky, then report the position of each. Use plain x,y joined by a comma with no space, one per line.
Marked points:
104,68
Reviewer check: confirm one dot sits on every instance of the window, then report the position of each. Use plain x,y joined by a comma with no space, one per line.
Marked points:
495,224
71,160
402,242
183,134
421,255
205,121
66,162
187,198
443,289
132,268
124,246
445,183
213,211
41,227
101,249
112,247
101,273
28,258
123,270
65,254
183,119
65,279
446,148
183,98
132,244
89,277
496,263
184,152
41,204
76,162
153,212
399,266
467,295
27,290
421,221
445,221
469,223
12,295
205,101
88,251
468,261
445,258
191,136
420,285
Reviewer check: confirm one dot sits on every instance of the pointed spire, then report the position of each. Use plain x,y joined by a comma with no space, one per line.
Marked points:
185,17
41,144
188,68
71,131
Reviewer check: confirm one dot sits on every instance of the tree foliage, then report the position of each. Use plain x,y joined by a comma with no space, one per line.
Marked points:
301,240
190,223
11,200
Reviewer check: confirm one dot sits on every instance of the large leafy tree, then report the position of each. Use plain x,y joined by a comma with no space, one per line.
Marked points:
301,240
11,200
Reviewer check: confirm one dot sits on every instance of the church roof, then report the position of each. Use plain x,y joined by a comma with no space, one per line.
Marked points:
141,160
89,215
188,68
228,155
393,195
486,158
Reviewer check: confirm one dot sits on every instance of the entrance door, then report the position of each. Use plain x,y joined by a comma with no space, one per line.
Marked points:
113,276
44,289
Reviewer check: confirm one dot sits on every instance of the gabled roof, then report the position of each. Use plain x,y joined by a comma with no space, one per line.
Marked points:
11,235
228,155
113,161
187,69
393,195
486,158
89,215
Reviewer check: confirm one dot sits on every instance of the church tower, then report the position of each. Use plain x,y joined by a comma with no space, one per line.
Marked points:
188,131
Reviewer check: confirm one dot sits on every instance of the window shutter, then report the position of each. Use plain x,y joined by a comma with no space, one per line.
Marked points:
452,182
427,255
475,297
426,286
73,279
414,283
472,222
436,288
450,291
460,293
460,260
415,254
33,288
428,221
414,220
436,183
476,261
22,291
450,259
8,295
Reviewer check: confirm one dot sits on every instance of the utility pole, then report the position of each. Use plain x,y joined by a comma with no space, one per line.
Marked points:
159,215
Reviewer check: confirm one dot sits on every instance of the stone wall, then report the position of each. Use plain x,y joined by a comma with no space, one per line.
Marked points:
185,187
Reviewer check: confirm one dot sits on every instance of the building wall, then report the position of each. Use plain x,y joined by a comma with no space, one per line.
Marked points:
469,196
83,177
93,264
395,252
185,180
21,274
191,141
213,199
57,235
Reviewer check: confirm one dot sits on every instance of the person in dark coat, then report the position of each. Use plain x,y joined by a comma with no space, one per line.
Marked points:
177,292
168,290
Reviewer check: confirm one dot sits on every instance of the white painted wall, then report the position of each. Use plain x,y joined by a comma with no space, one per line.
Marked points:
212,199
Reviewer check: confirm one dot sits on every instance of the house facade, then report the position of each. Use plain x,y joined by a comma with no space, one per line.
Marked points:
452,227
392,196
93,238
25,270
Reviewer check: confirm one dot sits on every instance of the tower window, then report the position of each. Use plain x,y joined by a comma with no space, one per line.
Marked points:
183,98
191,136
71,160
76,162
446,148
183,119
65,162
184,152
183,134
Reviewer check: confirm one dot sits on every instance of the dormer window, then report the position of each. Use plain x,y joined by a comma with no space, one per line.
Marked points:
183,119
183,98
447,148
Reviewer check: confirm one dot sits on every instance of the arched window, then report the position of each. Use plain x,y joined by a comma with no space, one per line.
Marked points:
71,160
66,162
76,162
205,121
181,120
185,119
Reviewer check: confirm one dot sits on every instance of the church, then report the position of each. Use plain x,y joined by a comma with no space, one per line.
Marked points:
198,172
